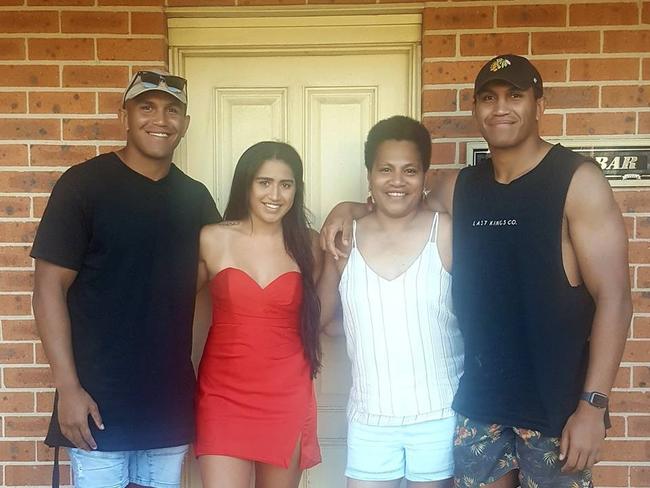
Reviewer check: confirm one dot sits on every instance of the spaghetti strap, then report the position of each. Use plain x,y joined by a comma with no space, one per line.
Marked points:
354,233
433,235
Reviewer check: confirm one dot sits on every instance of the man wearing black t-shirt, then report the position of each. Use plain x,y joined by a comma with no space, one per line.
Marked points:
116,262
541,291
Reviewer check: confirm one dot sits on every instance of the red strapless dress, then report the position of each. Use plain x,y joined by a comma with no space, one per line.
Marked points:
255,396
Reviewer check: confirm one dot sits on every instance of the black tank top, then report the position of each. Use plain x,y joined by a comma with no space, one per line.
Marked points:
526,329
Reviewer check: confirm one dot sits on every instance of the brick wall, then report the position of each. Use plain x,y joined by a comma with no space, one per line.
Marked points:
63,64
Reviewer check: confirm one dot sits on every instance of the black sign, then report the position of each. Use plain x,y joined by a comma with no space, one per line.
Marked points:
625,163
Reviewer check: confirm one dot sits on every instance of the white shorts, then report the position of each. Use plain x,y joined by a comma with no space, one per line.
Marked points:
418,452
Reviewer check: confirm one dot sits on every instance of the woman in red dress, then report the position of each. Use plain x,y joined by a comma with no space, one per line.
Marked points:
256,410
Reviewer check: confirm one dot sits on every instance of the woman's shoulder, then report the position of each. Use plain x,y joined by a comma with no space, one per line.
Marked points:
225,229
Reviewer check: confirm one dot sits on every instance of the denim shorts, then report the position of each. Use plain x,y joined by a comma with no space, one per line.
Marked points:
486,452
157,468
418,452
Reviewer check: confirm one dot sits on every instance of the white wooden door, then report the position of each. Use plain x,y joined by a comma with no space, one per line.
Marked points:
323,102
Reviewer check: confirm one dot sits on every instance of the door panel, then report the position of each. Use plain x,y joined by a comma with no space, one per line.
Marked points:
323,102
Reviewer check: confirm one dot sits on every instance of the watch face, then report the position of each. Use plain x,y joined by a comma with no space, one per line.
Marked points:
598,400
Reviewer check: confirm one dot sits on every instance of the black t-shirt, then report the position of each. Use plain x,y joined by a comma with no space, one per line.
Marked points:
134,243
525,328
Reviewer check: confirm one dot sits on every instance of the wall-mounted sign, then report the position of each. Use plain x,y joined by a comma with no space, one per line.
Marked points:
624,162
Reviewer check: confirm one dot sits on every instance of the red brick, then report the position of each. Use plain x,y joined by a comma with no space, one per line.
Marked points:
551,69
95,76
28,181
625,450
604,69
622,379
641,301
13,102
286,2
44,401
315,2
642,232
493,44
439,101
443,153
95,22
45,453
629,401
28,378
626,96
641,377
13,154
62,102
457,126
16,402
633,201
639,476
451,71
109,102
646,13
64,49
627,41
644,123
565,42
32,426
29,75
39,206
14,256
19,330
131,49
39,354
61,155
637,351
7,3
466,97
148,23
646,69
458,18
26,475
93,129
16,281
77,3
30,129
531,16
12,49
610,475
638,426
438,46
551,125
571,96
641,326
195,3
630,223
17,451
614,13
29,21
618,426
132,3
15,232
600,123
13,353
107,148
14,207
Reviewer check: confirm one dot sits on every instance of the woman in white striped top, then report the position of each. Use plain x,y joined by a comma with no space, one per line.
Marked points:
402,337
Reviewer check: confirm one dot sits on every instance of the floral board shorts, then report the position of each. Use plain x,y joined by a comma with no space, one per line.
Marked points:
483,453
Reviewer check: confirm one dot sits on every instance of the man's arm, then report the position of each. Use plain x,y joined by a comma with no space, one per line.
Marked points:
339,220
598,236
51,284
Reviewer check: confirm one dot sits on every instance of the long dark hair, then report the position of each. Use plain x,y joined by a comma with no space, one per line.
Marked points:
295,229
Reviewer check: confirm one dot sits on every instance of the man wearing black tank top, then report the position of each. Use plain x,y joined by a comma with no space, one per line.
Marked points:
542,293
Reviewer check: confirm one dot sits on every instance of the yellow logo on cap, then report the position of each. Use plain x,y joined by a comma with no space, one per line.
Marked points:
499,63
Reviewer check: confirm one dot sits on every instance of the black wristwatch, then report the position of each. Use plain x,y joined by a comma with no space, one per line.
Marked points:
595,398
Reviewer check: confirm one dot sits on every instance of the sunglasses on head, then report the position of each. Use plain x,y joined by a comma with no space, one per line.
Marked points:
155,79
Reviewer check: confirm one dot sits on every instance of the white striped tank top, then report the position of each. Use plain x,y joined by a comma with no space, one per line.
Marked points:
402,339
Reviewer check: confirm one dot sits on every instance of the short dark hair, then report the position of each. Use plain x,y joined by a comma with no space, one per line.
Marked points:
398,128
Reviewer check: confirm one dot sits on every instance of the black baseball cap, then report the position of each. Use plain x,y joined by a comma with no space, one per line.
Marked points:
513,69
